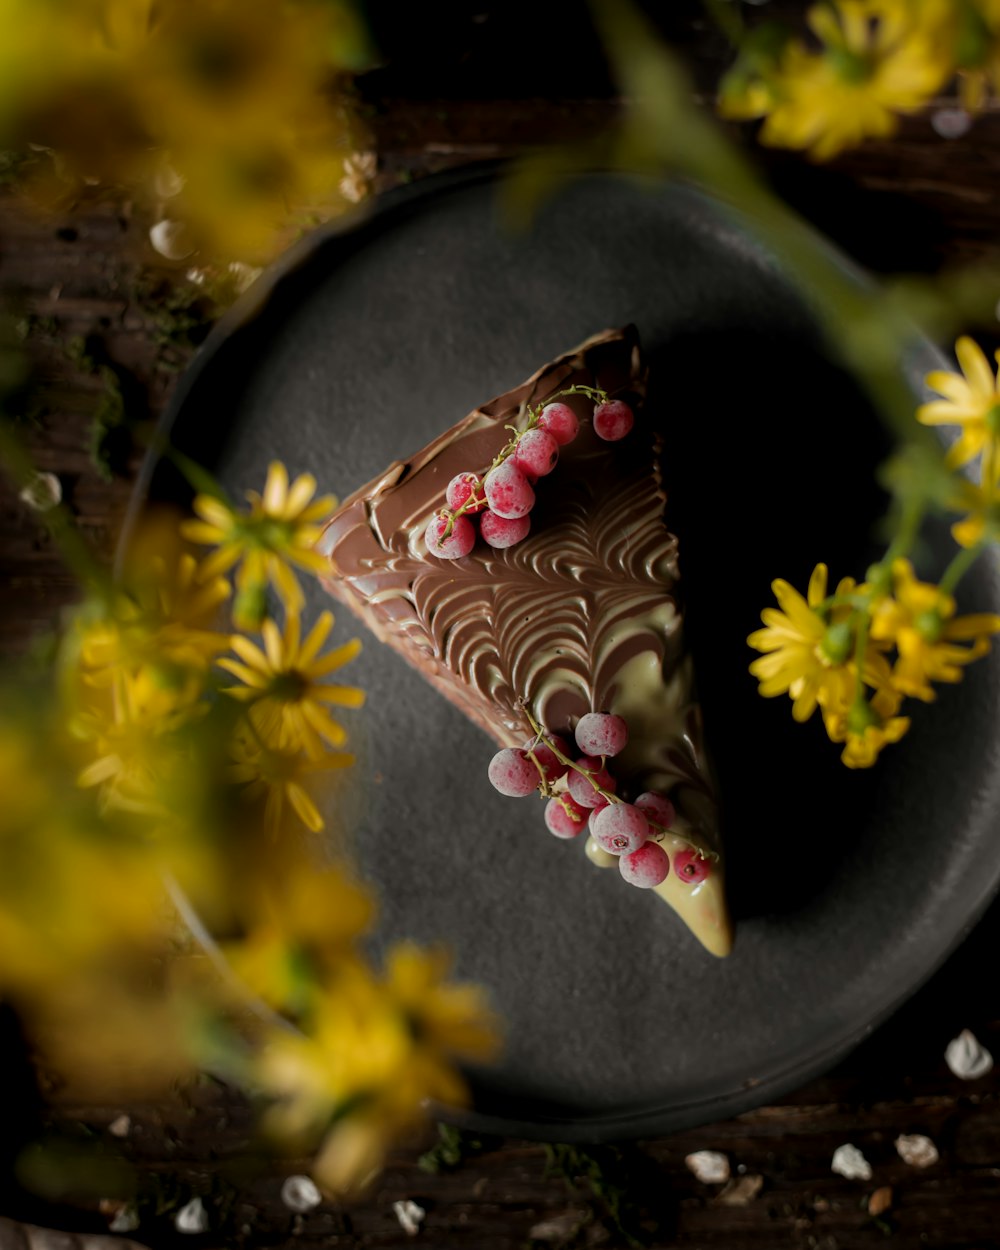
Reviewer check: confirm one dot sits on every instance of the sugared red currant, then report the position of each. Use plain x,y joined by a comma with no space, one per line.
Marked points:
657,807
613,420
561,422
513,773
500,532
536,453
600,733
564,817
646,867
459,542
581,788
620,828
461,489
691,868
601,805
508,491
552,767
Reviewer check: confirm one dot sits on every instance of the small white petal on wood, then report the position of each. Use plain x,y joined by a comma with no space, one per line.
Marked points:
192,1217
967,1057
43,492
849,1162
410,1216
708,1166
916,1150
171,239
120,1127
299,1193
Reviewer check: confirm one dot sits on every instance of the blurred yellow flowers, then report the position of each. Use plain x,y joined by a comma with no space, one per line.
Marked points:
160,874
403,1032
867,63
280,530
230,120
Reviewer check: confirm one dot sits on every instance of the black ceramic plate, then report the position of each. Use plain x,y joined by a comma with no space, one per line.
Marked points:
848,888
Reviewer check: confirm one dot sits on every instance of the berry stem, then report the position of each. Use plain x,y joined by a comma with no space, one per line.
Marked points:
564,759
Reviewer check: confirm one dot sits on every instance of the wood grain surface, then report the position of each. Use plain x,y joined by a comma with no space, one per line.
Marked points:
86,291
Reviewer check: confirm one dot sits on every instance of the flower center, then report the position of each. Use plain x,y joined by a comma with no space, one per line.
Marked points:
288,687
992,420
835,645
929,625
849,66
862,716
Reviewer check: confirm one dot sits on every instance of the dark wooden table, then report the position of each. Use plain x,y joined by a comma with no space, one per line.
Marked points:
90,297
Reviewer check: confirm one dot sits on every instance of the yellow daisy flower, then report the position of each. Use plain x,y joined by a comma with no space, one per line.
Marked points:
157,628
868,727
921,621
279,778
303,924
971,399
878,59
283,684
983,509
810,654
385,1046
281,530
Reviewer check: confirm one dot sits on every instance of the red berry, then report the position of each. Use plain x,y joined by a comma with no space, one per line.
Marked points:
620,828
600,733
691,868
646,867
536,453
499,532
459,542
594,810
580,787
561,422
508,491
657,808
551,766
613,420
462,488
565,818
513,774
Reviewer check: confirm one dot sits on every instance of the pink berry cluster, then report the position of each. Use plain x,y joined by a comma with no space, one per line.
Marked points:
587,798
503,496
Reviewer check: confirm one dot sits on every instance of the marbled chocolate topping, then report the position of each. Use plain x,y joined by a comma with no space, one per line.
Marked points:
579,616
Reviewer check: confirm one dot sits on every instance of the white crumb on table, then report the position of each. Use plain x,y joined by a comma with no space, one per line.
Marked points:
849,1162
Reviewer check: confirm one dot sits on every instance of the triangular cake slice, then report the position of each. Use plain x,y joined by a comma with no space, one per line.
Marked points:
580,616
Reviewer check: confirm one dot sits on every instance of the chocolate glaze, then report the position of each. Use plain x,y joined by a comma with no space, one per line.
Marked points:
553,620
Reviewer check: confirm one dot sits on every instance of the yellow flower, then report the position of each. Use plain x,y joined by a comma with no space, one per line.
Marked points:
376,1050
879,58
303,922
868,727
809,653
135,736
157,627
921,621
280,530
972,401
977,51
283,684
982,507
445,1018
279,778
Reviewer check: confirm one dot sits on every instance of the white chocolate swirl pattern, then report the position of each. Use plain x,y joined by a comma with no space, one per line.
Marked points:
581,615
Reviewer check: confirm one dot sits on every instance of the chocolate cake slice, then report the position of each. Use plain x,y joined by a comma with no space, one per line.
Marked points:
580,616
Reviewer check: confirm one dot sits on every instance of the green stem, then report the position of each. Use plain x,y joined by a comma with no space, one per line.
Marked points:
860,646
727,18
909,526
960,565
